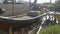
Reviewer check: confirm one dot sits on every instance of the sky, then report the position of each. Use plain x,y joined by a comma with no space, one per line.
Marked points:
42,1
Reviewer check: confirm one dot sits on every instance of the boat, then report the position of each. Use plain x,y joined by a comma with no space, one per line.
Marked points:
20,21
25,20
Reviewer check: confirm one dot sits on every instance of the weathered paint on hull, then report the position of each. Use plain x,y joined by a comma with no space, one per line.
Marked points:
5,25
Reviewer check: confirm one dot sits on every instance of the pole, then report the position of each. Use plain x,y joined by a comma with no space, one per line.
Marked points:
29,4
50,8
35,2
12,7
34,5
50,1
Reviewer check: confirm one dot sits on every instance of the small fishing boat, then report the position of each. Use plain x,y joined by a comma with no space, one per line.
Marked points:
24,20
21,21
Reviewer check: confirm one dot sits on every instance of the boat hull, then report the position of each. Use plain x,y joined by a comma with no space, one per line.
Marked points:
6,23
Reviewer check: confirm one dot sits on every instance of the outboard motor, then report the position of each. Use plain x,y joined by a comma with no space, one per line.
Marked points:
2,11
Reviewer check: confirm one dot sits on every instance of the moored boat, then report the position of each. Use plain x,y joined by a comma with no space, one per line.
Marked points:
21,21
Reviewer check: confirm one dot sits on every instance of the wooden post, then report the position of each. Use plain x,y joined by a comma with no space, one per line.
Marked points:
52,17
46,17
1,31
22,30
10,30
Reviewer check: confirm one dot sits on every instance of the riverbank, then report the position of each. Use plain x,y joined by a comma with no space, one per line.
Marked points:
52,29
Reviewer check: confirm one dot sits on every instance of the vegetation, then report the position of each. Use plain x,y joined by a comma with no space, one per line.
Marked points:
49,4
52,29
54,6
57,6
58,2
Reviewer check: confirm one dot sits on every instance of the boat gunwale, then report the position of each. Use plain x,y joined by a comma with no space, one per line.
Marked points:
25,19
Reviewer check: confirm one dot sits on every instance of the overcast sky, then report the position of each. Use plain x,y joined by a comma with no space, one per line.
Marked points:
42,1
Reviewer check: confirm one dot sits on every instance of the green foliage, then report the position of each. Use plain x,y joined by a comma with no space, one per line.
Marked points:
57,6
58,2
52,29
49,4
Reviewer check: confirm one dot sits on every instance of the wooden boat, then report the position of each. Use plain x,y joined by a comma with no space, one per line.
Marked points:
20,21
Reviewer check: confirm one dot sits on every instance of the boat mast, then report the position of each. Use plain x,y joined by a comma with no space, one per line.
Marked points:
50,1
35,2
34,5
12,7
29,4
50,8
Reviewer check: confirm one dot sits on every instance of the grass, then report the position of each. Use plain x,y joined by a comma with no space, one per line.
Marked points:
52,29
